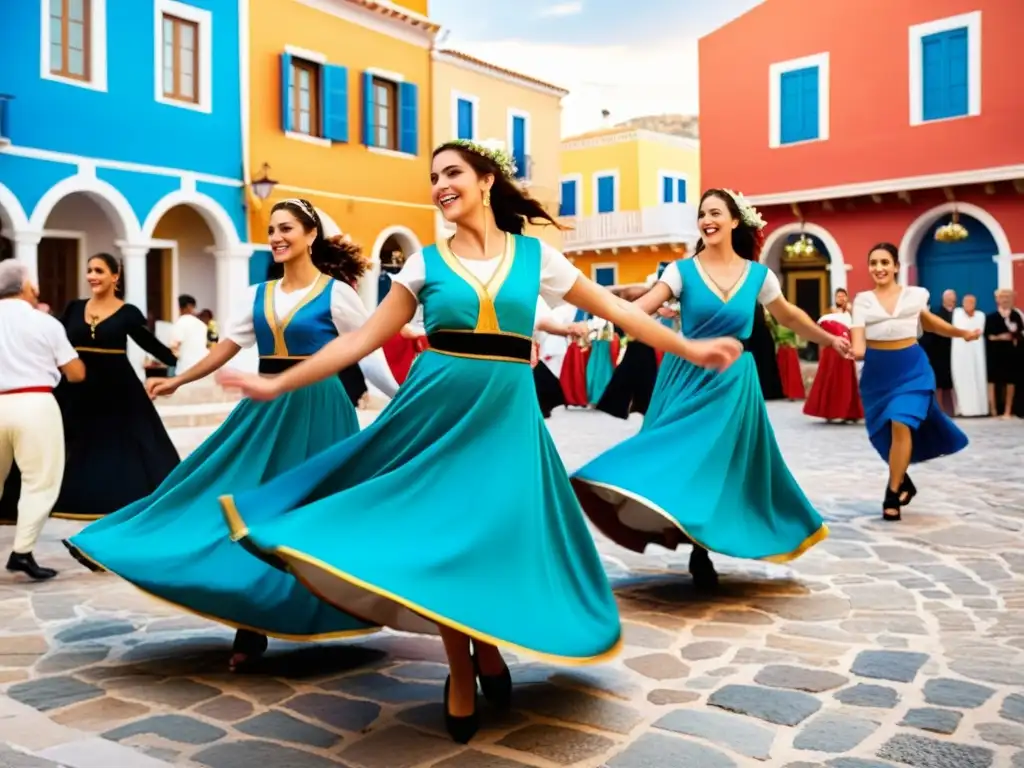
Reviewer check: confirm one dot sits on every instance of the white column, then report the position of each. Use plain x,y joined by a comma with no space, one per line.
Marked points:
26,250
135,284
233,294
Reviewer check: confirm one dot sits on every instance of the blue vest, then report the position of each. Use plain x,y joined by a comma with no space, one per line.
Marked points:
307,328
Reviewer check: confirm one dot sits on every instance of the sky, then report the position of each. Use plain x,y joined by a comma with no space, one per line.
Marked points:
632,58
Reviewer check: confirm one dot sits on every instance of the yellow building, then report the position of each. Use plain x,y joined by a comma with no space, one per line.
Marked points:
339,95
479,101
629,196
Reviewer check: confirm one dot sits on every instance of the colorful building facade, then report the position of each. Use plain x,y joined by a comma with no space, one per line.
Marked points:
339,112
877,122
120,132
480,101
629,197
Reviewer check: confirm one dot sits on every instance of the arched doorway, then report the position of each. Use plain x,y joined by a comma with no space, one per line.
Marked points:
967,266
393,247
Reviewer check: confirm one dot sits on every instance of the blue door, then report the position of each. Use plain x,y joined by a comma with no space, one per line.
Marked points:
567,206
965,267
519,145
606,194
465,119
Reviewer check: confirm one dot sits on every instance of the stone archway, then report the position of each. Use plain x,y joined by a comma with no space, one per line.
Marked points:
771,253
392,247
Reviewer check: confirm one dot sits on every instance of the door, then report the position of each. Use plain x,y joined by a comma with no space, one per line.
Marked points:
158,284
58,272
966,267
808,289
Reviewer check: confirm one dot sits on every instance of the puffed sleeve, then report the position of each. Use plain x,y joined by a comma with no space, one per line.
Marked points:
771,289
241,329
861,305
673,278
413,274
557,275
349,314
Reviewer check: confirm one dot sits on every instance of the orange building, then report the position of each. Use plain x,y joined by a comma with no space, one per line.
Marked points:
858,121
340,111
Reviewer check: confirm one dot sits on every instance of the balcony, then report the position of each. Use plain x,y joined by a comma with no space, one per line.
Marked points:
5,118
676,223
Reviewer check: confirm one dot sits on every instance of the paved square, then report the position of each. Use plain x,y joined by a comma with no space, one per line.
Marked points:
889,644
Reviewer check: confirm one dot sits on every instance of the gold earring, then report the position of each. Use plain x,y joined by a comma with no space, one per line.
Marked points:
487,198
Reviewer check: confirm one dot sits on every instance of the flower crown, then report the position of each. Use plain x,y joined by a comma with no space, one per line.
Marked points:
748,213
494,151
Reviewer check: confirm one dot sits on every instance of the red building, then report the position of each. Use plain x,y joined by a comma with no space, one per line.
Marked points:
859,121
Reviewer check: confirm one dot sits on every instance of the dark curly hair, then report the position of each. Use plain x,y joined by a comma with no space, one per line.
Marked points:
746,240
511,205
335,256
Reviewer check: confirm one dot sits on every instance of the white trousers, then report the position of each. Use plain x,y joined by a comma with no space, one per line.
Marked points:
32,434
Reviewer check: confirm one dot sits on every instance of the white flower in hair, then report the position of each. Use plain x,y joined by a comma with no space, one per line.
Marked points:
751,216
493,149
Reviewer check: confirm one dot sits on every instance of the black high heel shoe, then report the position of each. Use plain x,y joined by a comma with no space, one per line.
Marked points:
497,688
461,729
247,650
907,490
892,501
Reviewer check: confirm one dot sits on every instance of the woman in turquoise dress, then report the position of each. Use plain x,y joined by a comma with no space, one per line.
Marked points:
171,544
705,468
452,513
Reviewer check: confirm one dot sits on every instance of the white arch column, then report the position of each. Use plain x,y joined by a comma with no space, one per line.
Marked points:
26,250
133,255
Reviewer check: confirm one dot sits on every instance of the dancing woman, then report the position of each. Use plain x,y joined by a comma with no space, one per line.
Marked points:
474,531
118,450
897,384
834,394
730,490
171,544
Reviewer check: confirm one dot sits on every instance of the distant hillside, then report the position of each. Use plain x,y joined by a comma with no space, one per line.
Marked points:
677,125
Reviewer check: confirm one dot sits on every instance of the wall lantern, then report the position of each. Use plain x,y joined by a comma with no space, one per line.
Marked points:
263,185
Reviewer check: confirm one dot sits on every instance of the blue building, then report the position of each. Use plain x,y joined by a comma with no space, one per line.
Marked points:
121,131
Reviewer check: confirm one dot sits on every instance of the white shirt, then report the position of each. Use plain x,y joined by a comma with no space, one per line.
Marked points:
771,289
903,323
557,273
33,347
347,312
189,334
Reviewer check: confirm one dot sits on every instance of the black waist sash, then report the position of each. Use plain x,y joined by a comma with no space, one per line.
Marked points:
274,365
486,346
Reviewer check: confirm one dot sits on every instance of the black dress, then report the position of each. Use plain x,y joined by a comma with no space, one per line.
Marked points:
549,389
118,450
1004,358
761,345
632,384
940,352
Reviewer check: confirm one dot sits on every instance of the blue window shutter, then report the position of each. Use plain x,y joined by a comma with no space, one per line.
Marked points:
956,62
334,93
606,194
519,145
369,118
465,112
667,191
408,117
567,206
286,92
944,75
604,276
789,108
680,190
810,104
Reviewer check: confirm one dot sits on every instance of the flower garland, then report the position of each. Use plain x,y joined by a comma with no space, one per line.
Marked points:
750,215
494,151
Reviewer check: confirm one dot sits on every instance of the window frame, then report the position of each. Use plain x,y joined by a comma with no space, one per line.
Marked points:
474,101
675,176
775,73
612,173
177,24
315,71
392,110
916,35
513,113
203,77
578,179
612,265
94,46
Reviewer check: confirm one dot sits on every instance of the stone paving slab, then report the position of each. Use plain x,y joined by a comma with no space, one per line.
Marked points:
887,645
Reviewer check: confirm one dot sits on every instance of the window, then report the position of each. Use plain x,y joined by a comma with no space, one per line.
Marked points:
672,187
183,55
604,274
390,113
798,100
181,58
73,42
945,69
570,202
314,97
519,141
606,191
465,116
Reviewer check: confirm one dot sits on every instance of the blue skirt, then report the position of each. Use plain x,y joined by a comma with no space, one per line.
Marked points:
600,368
899,385
171,544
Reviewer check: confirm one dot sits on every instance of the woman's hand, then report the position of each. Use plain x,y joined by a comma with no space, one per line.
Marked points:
668,313
162,387
253,386
716,354
842,346
972,335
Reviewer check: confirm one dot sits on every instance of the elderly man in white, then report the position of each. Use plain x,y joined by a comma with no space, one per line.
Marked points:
34,351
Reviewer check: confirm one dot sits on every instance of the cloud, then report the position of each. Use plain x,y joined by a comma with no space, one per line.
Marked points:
563,9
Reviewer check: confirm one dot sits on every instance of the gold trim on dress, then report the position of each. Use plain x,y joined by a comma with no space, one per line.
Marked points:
340,635
277,329
239,531
467,356
101,351
712,286
487,315
818,536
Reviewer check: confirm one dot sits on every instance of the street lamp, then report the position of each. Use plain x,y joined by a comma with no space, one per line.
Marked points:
263,185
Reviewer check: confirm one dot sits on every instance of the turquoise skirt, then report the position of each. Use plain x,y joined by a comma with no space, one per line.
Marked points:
453,507
704,468
600,368
171,544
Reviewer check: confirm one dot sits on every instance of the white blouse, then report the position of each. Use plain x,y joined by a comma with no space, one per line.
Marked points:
771,289
903,323
557,273
347,312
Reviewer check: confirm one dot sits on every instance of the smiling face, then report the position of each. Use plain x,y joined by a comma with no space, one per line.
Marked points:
842,299
287,236
100,277
715,221
882,267
456,189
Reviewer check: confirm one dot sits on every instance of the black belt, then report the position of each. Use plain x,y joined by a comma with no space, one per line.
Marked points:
487,346
274,365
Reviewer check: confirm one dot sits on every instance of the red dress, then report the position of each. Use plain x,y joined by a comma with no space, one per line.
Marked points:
401,352
834,393
790,373
574,375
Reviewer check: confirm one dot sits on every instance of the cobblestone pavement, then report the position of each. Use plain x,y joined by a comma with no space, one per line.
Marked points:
889,644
